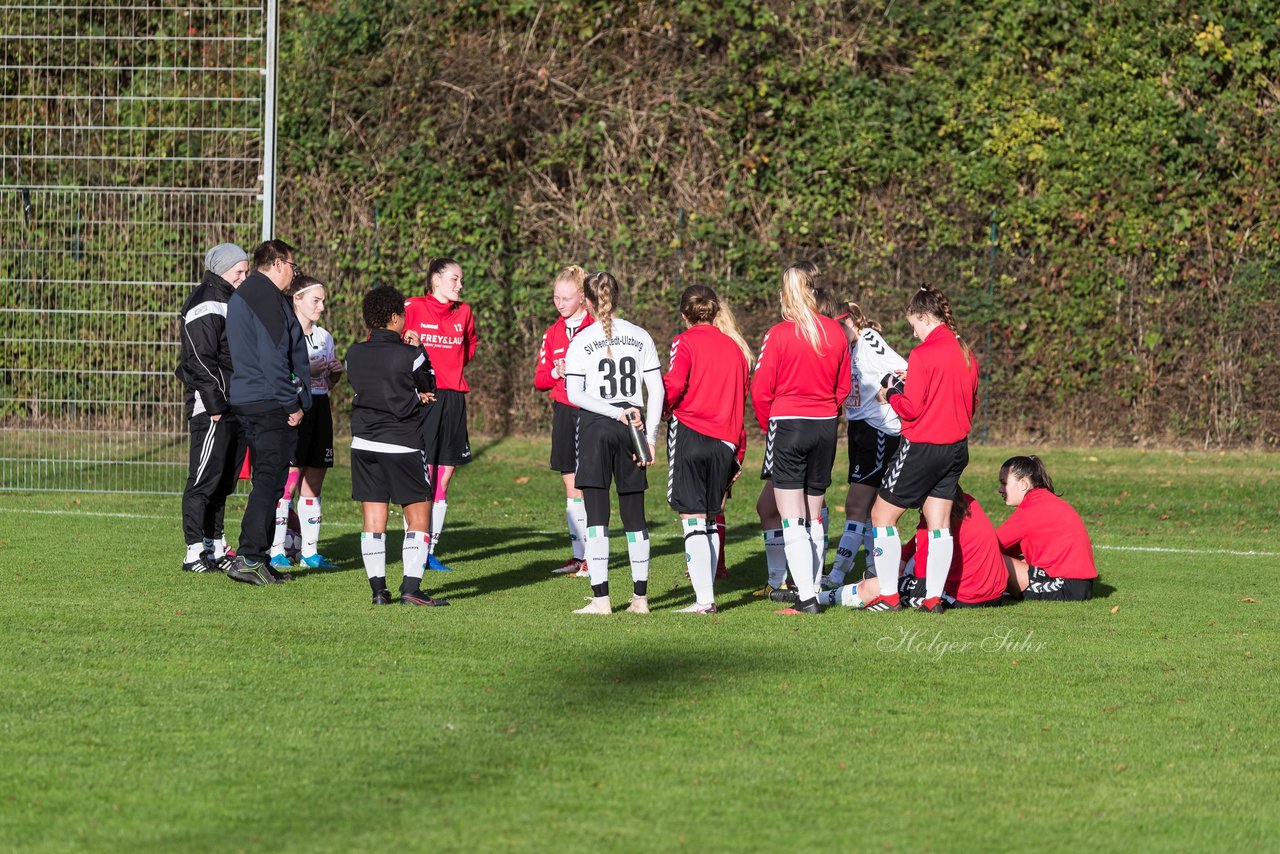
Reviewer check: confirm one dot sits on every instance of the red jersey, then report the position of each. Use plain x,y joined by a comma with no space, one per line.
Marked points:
794,380
448,333
977,573
936,402
1050,534
555,343
706,385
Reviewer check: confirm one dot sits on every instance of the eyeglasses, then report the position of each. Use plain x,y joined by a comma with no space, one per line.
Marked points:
297,271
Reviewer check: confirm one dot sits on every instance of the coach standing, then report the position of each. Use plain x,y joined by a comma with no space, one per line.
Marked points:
217,441
270,389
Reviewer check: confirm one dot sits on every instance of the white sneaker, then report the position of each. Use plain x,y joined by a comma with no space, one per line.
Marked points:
596,605
639,605
695,608
582,572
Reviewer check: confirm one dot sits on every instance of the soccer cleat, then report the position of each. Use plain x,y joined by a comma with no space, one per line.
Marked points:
764,592
883,603
280,562
596,605
639,605
421,597
248,572
200,564
699,609
932,606
316,561
582,572
382,597
570,568
783,595
810,608
276,576
434,564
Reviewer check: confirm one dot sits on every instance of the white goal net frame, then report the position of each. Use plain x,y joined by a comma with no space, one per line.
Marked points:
133,136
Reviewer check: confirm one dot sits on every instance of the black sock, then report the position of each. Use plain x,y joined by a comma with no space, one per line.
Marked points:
408,584
379,583
601,589
641,588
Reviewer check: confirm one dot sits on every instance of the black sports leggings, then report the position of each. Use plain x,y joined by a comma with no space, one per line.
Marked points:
630,508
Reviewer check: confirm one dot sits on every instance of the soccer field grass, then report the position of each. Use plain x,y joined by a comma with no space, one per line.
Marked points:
147,709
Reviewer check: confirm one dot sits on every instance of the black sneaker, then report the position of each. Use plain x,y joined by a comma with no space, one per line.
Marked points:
276,576
382,597
200,564
248,572
783,594
421,597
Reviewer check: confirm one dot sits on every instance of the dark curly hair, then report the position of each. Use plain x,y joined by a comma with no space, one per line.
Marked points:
380,305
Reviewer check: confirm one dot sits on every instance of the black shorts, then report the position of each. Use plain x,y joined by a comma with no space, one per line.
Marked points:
911,592
604,455
699,470
869,453
315,436
382,478
920,471
799,453
446,429
564,437
1041,586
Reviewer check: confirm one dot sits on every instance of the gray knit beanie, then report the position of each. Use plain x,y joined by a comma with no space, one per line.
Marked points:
223,257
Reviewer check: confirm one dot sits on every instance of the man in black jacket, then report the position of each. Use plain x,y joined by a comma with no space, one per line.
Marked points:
217,440
270,388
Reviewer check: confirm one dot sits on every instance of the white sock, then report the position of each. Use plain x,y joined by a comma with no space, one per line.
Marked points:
888,554
800,556
309,522
194,550
846,551
219,548
413,554
597,552
575,512
826,527
819,540
938,562
373,549
775,556
846,596
638,552
868,543
438,509
699,554
282,525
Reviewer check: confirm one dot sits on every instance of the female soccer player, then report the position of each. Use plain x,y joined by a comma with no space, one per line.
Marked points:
570,303
313,456
1051,555
393,382
706,392
873,434
605,367
800,383
977,576
445,327
935,405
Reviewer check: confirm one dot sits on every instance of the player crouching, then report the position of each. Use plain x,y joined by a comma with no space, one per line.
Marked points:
393,382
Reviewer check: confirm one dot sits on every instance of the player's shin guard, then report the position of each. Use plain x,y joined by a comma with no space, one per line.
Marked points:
801,556
846,551
575,514
373,551
597,552
309,524
438,511
887,554
938,562
638,552
698,554
282,527
775,556
414,556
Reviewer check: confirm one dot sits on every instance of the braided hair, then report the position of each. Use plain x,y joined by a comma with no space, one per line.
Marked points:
601,290
931,301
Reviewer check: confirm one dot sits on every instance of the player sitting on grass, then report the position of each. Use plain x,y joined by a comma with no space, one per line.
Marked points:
393,382
1050,554
977,576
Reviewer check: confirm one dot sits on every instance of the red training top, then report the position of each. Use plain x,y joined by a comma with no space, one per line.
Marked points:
794,380
448,333
555,343
937,400
1050,534
706,385
977,573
